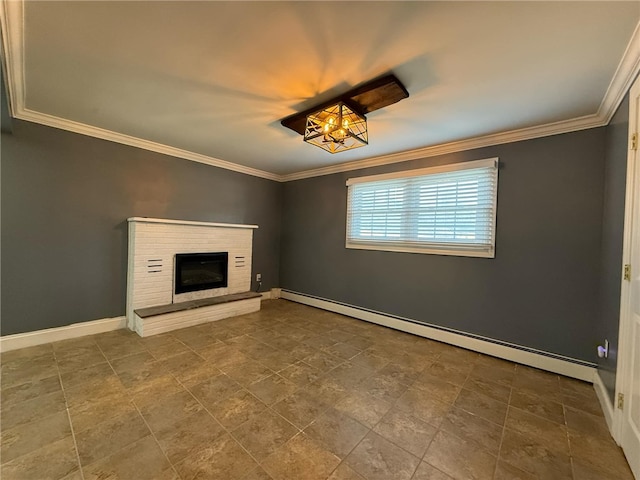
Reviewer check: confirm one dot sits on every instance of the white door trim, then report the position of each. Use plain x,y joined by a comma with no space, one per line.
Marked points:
631,228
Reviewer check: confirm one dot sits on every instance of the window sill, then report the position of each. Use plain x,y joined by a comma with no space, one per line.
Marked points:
427,250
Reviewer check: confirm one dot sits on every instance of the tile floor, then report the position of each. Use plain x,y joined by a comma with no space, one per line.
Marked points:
292,392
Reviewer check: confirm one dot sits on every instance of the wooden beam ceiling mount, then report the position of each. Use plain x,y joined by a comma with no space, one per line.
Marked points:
365,98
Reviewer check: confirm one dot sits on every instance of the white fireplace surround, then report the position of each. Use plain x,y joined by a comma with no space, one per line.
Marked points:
153,244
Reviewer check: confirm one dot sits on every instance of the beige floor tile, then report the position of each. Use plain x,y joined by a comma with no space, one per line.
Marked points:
595,452
50,462
27,369
460,458
588,403
264,434
406,431
74,359
221,355
499,376
301,457
223,459
215,389
28,352
370,360
450,372
181,362
150,389
198,374
76,475
272,389
302,351
163,345
583,471
537,383
122,346
142,460
438,389
583,422
82,375
504,471
300,373
376,458
99,386
257,350
26,438
349,374
246,373
551,434
345,472
382,387
429,472
338,432
341,350
300,408
364,408
536,405
189,436
481,405
403,373
31,410
322,361
28,391
473,428
106,438
98,410
170,410
532,456
236,409
279,360
326,390
497,391
427,409
571,385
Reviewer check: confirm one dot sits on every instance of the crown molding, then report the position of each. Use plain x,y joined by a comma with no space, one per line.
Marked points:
625,74
12,22
77,127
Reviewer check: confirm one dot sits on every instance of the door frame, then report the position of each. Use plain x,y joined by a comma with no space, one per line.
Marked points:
631,230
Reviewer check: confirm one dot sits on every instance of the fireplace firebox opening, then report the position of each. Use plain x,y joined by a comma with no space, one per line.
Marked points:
200,271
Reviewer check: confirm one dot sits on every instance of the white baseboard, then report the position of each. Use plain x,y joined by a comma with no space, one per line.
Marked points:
30,339
605,403
516,353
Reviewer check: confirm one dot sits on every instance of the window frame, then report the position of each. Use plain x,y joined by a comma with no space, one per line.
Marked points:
429,247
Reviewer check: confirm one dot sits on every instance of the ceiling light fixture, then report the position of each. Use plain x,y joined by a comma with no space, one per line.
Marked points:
336,128
339,124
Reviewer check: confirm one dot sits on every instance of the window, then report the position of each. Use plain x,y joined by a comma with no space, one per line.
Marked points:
447,210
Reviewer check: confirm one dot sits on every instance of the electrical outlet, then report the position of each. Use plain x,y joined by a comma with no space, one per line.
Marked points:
258,277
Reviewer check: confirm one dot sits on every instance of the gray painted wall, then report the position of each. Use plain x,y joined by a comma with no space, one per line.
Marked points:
615,175
65,200
541,290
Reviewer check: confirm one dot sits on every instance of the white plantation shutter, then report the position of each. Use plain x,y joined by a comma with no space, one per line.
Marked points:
447,210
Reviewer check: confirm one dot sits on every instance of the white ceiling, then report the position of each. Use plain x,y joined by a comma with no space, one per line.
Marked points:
210,81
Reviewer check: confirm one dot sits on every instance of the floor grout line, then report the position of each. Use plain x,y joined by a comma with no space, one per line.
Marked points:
64,394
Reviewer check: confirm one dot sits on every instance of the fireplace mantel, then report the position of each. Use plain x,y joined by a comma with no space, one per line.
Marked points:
188,222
